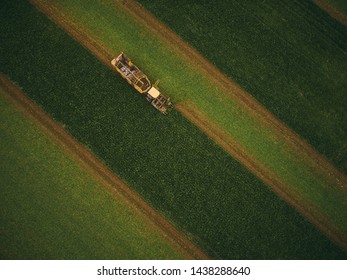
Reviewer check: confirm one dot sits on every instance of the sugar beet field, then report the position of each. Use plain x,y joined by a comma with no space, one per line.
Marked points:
196,185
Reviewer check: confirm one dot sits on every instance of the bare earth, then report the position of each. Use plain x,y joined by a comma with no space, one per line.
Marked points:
341,17
294,141
101,172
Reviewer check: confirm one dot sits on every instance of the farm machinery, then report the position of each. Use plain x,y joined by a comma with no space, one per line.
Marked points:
141,83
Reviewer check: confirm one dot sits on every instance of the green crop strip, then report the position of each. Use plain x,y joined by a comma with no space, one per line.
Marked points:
181,172
52,208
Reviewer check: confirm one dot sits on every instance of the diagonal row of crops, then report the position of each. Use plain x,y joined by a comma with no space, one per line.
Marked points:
182,173
52,207
290,55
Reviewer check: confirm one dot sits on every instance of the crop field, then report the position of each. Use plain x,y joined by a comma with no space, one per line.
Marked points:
116,30
53,208
206,193
290,55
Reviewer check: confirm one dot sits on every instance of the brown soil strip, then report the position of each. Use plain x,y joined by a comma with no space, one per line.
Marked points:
266,118
294,141
232,147
57,133
332,11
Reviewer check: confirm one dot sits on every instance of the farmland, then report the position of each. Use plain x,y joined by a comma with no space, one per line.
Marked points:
194,183
289,55
315,184
55,208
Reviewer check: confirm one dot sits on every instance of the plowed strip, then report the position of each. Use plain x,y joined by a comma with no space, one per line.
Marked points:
296,143
98,169
331,11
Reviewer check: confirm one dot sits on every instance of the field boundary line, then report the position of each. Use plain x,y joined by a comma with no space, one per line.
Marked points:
332,11
232,147
234,91
230,88
84,156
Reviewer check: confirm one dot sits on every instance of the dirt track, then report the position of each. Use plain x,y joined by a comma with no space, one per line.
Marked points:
331,11
57,134
315,160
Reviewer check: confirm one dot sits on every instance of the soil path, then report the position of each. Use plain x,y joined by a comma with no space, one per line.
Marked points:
57,134
332,11
230,145
294,141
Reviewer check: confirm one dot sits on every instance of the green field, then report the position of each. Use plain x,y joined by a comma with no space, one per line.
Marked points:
290,55
118,31
179,170
53,208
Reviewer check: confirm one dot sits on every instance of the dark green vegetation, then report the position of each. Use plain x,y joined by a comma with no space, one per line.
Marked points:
183,174
290,55
52,208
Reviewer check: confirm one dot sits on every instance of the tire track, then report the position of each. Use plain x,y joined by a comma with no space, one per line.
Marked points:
58,135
